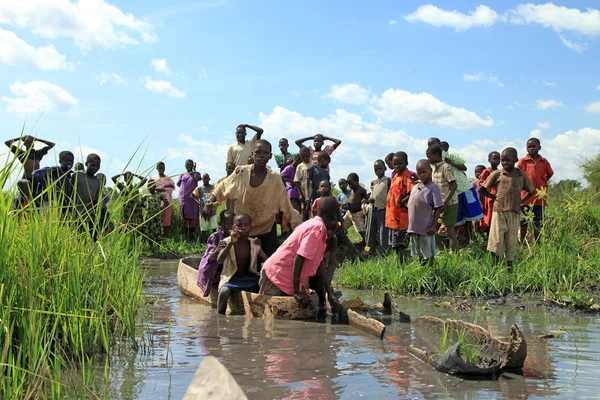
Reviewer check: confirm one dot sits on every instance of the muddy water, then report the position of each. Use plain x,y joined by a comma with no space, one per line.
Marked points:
307,360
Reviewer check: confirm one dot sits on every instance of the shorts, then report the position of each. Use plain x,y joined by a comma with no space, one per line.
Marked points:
538,213
503,234
357,219
247,283
450,216
469,207
422,246
209,225
398,238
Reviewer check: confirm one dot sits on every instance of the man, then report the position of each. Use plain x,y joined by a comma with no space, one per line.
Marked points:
239,152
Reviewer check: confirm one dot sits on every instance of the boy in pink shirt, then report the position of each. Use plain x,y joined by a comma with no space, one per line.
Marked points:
287,271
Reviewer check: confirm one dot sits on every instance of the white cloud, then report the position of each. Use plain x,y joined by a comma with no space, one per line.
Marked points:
424,108
565,151
160,65
483,16
163,87
576,47
351,93
212,159
535,133
37,97
546,83
558,18
89,23
392,22
597,88
15,51
546,104
489,78
593,107
203,74
109,77
543,125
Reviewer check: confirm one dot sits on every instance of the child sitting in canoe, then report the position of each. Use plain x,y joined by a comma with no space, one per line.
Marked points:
209,269
240,256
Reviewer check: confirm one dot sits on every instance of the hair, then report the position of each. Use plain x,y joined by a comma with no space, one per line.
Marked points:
243,215
325,180
205,174
226,214
480,166
342,180
389,156
323,156
380,162
228,164
512,151
445,144
435,149
160,164
304,148
435,140
327,207
93,157
352,177
265,142
319,135
492,153
237,128
425,163
63,154
284,139
534,139
189,160
402,155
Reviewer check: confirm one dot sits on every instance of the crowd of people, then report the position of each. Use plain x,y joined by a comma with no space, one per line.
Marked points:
279,232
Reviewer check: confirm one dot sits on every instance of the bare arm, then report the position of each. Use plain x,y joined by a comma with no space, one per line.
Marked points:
436,215
483,192
116,178
262,256
300,142
527,196
450,193
336,142
298,265
259,131
48,143
224,251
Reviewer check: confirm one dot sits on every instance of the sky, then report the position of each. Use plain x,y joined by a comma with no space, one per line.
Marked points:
140,82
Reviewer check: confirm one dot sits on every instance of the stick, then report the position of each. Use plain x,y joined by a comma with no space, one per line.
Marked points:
366,324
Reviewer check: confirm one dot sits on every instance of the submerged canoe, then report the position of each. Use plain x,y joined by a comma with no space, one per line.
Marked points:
251,304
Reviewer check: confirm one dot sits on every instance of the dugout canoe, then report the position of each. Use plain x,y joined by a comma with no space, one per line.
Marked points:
251,304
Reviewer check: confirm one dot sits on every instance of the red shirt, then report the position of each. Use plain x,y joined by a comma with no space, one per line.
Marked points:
538,172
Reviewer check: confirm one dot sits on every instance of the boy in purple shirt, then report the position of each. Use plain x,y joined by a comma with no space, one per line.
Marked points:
424,207
287,176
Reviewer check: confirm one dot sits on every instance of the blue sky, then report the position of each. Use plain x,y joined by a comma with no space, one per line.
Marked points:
111,76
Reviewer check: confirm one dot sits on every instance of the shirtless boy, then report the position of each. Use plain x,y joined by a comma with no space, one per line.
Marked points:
355,215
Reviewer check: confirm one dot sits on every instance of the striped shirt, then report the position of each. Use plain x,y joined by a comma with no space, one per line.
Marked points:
442,176
508,188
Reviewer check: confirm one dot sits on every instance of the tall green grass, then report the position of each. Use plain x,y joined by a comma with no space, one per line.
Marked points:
566,260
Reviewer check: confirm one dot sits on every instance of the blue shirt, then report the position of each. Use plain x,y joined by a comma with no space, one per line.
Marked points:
315,175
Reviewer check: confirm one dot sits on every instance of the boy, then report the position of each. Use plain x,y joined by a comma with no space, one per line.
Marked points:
209,270
396,213
287,176
23,198
509,182
30,157
285,158
318,148
207,226
342,198
188,208
539,171
316,174
240,256
324,191
424,207
153,228
239,151
130,193
378,234
355,215
229,168
487,203
54,177
444,178
300,180
87,189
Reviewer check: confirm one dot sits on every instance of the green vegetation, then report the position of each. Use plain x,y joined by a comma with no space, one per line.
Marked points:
566,261
470,352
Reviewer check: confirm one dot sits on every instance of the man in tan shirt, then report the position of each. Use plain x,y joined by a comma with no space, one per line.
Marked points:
239,152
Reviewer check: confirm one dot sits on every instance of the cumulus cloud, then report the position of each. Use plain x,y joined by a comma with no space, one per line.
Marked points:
109,77
483,16
547,83
576,47
89,23
546,104
39,96
209,156
162,87
350,93
489,78
543,125
593,107
160,65
392,22
559,18
597,88
567,150
15,51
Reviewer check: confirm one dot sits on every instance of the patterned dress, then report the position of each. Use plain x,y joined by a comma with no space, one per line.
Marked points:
132,209
152,228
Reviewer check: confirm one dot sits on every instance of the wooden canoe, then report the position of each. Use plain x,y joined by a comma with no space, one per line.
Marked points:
251,304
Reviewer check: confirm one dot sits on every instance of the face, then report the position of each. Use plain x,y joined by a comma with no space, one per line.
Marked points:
243,225
533,148
283,146
433,158
424,173
478,172
343,184
79,167
379,169
494,160
324,188
324,163
189,165
390,162
240,134
205,179
318,142
230,168
305,155
297,161
160,168
92,166
262,154
508,161
67,162
399,164
353,184
227,224
431,142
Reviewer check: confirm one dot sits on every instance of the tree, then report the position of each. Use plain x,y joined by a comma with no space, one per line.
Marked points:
591,171
566,185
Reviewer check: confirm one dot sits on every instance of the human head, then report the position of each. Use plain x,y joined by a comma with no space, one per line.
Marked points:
92,164
297,160
478,170
262,152
66,159
229,168
352,180
79,167
304,154
494,159
327,210
151,186
240,133
400,161
509,158
434,153
433,141
533,146
445,146
343,184
128,176
379,168
160,168
243,224
283,145
325,188
189,165
323,160
206,179
424,171
318,141
226,220
389,160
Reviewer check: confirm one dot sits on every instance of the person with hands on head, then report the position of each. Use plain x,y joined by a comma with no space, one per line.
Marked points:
300,179
188,207
318,148
29,157
239,151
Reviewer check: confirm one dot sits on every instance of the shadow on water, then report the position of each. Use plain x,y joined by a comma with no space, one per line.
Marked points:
295,359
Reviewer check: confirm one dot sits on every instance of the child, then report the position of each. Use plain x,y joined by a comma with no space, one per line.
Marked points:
229,168
318,149
509,182
300,180
54,177
87,188
287,176
378,233
29,157
444,178
132,214
487,203
285,158
187,206
209,270
424,207
152,213
324,191
342,198
396,213
23,198
355,215
240,256
316,174
166,186
206,226
539,171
